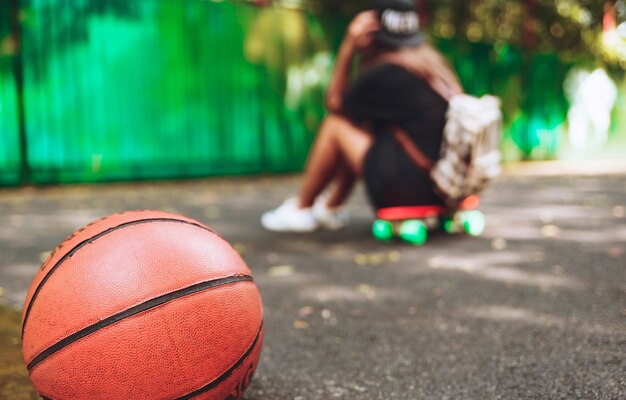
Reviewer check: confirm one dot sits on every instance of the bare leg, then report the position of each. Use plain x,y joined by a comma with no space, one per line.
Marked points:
338,152
344,183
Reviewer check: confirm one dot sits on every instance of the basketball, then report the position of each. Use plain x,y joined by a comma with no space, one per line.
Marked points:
142,305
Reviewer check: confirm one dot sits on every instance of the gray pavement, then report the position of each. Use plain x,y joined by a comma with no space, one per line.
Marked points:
535,308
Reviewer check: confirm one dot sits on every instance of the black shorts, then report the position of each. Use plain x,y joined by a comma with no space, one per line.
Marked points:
392,179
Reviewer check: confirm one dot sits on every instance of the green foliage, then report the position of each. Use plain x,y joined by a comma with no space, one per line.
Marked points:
570,26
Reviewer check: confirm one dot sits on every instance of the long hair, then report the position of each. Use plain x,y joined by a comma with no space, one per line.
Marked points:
423,60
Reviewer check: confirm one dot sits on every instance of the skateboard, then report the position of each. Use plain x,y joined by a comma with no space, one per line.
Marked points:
412,223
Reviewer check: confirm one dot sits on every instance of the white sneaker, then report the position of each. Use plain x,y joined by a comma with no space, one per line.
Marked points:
289,218
332,219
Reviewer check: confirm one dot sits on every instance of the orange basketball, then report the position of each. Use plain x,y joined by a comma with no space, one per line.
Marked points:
142,305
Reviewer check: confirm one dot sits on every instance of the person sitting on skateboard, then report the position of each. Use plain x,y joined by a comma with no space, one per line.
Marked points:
402,82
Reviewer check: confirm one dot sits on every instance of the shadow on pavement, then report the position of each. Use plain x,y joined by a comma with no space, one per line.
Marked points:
534,308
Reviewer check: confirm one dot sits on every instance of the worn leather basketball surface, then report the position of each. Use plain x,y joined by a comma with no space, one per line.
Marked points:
143,305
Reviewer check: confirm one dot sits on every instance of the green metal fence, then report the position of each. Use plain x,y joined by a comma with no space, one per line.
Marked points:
154,89
9,124
149,89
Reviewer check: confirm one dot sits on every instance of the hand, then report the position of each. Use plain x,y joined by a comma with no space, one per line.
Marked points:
361,30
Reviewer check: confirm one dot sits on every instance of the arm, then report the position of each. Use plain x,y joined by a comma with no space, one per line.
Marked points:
359,36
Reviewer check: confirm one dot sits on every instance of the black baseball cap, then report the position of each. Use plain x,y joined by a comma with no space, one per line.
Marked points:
400,25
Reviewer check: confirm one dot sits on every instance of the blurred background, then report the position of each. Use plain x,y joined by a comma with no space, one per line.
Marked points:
109,90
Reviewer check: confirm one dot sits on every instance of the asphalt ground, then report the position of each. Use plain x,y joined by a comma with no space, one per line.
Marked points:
535,308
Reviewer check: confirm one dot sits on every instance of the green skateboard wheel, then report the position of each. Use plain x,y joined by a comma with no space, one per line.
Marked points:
413,231
382,230
473,222
448,225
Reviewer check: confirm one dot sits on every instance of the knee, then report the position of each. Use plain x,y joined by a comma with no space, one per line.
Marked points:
334,119
335,123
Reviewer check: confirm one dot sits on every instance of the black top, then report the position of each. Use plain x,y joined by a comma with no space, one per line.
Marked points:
390,94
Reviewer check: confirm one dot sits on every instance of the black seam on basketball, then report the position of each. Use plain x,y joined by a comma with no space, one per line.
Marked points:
147,305
90,240
227,373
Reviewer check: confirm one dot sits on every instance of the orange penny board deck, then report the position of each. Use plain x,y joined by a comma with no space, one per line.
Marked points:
428,211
